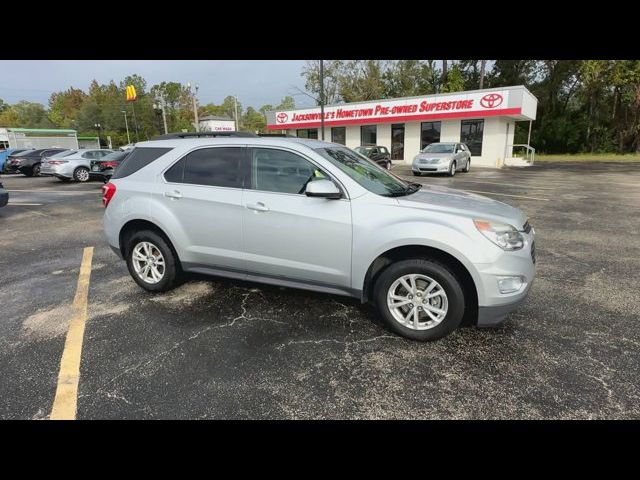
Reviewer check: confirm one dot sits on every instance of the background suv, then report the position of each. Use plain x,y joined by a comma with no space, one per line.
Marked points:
318,216
443,158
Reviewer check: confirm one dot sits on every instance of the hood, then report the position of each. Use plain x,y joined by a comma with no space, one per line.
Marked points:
427,156
465,204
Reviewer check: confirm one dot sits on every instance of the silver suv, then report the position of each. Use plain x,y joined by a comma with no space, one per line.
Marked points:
318,216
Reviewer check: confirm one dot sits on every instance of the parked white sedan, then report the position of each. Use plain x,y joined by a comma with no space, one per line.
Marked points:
75,166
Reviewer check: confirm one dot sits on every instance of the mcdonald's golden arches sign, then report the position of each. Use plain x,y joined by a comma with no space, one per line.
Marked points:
132,96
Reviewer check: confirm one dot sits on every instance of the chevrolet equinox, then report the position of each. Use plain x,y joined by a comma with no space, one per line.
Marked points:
318,216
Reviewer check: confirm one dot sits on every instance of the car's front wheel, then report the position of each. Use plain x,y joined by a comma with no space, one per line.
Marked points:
467,167
452,169
419,299
151,262
81,174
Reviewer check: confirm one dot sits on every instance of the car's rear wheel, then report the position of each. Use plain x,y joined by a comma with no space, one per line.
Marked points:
35,171
452,169
467,166
419,299
27,172
81,174
151,261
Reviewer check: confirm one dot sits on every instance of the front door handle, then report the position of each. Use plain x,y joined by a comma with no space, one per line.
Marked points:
258,207
174,194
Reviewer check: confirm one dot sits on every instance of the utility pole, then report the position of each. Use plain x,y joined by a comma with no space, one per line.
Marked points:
235,104
135,122
126,125
98,126
195,106
483,64
322,99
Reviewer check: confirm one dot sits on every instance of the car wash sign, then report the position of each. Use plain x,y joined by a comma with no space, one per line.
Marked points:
460,105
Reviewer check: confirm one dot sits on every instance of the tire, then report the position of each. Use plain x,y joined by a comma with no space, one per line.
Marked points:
467,166
81,174
27,172
171,273
417,174
35,171
387,165
446,280
452,169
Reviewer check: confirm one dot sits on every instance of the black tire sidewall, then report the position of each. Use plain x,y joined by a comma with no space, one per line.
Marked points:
452,169
416,174
172,269
468,167
439,273
75,174
35,170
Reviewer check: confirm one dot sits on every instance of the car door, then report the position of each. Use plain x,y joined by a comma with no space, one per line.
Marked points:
460,156
204,191
287,234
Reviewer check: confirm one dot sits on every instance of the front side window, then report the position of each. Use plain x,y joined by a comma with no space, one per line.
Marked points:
471,134
215,167
368,135
367,173
274,170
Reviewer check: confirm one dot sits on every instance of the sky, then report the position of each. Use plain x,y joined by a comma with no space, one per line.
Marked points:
255,82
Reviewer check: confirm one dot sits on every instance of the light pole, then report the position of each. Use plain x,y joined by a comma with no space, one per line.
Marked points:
160,106
98,127
322,99
195,106
126,125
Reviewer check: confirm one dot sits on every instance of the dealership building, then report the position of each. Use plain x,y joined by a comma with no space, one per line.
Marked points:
482,119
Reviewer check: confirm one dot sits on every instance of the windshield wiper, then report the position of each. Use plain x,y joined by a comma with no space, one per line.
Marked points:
411,188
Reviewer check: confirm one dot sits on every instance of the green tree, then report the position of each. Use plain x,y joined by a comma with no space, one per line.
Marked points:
454,80
253,121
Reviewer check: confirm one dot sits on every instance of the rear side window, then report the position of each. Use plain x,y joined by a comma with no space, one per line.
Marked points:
217,167
139,158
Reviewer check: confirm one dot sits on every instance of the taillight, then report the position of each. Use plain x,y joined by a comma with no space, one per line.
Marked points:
108,191
57,162
109,164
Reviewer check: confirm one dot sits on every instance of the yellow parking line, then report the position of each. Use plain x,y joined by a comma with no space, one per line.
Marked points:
506,195
65,402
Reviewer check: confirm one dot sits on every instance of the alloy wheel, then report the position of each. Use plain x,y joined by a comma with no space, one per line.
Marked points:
417,302
148,262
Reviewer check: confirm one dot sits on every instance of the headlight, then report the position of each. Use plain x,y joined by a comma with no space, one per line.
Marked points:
505,236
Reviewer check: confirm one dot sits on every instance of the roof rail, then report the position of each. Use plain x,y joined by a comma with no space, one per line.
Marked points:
171,136
276,135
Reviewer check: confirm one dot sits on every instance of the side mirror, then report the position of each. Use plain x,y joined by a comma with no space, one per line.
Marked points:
323,189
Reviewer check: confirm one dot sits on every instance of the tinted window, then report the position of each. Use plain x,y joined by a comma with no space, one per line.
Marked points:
471,133
368,134
176,172
429,133
217,167
281,171
339,135
139,157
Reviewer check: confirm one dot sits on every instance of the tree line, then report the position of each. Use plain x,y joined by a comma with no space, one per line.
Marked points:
104,105
583,105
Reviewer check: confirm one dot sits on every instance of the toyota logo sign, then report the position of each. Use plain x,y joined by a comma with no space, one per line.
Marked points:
491,100
282,117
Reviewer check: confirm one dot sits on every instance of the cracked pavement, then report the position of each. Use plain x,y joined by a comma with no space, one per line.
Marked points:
224,349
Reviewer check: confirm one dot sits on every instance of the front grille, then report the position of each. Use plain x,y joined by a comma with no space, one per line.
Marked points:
533,252
527,227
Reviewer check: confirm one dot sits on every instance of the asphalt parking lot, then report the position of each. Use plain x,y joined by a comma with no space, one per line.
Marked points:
219,349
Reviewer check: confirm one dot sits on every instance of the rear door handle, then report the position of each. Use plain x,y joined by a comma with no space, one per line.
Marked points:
175,194
258,207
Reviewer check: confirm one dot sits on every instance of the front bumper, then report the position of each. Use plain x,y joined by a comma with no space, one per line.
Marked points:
430,168
494,316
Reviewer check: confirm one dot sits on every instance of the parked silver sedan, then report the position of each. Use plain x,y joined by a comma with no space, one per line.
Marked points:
442,158
74,166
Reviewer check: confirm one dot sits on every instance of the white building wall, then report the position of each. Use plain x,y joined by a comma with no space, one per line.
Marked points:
411,140
383,135
352,134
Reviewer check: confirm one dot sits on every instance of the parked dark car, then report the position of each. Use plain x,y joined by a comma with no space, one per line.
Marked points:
4,196
28,162
4,154
377,153
105,167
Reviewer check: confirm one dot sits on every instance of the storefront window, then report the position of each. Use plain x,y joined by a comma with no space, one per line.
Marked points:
339,135
368,134
430,133
471,134
397,141
308,133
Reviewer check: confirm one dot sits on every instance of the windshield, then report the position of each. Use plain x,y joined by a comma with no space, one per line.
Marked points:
367,173
363,150
438,148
